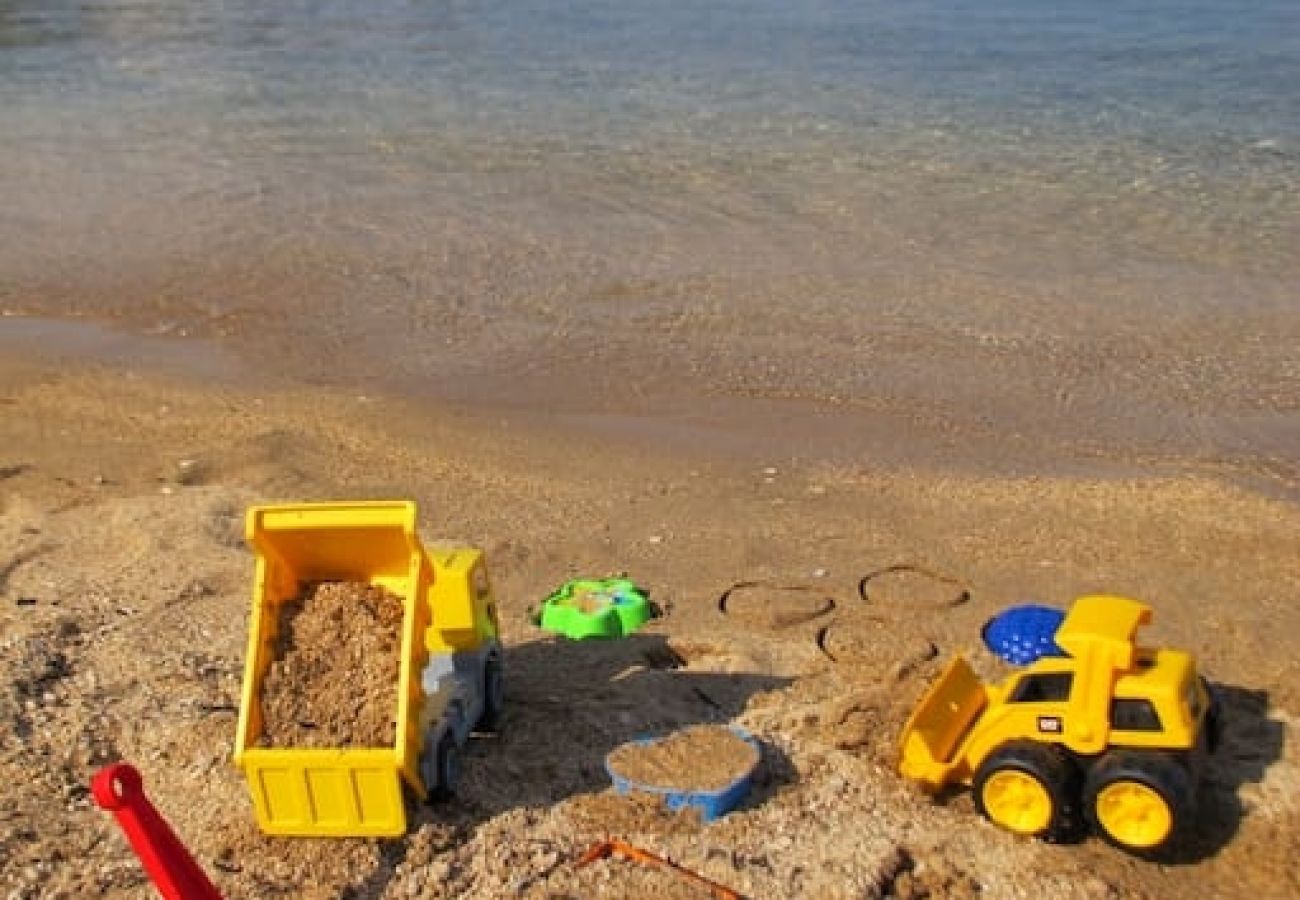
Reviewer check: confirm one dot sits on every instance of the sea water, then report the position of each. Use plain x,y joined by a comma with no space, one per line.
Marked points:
1070,227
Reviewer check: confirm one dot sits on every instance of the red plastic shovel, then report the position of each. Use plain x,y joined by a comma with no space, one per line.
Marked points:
120,790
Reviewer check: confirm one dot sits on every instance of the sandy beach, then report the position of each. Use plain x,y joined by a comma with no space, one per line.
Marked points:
125,597
837,327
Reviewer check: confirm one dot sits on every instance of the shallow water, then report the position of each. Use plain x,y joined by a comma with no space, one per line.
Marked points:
1065,230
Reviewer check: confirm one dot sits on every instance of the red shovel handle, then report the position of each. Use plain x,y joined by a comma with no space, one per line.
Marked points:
120,790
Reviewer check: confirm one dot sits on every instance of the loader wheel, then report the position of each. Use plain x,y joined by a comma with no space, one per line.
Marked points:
1028,788
1213,723
494,687
1139,801
444,767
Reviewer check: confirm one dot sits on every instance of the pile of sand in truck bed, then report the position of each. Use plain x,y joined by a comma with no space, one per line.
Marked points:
333,682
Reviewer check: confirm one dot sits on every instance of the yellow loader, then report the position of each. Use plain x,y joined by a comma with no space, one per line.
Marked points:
1114,731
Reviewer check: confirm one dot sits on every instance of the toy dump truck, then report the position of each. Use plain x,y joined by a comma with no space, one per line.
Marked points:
449,677
1112,729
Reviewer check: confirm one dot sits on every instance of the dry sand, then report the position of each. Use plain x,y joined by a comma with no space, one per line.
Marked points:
124,591
699,758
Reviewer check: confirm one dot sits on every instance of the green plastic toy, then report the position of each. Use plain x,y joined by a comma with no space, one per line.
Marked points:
595,608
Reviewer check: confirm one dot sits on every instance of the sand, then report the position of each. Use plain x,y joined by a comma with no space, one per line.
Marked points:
699,758
125,584
333,681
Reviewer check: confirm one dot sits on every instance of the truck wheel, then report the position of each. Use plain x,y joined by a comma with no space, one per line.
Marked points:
494,687
1139,801
1028,788
442,768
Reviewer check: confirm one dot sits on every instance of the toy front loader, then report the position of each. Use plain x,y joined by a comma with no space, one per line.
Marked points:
1113,730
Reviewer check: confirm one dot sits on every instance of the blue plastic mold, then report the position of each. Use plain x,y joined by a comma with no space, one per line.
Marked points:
1023,634
711,804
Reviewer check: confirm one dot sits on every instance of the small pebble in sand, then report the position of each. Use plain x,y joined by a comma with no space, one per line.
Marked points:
189,472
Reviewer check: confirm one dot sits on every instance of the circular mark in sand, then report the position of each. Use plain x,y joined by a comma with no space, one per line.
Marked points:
857,639
774,606
910,585
873,647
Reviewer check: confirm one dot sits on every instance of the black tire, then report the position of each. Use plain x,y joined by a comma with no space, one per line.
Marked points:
1054,817
489,720
442,770
1213,723
1141,830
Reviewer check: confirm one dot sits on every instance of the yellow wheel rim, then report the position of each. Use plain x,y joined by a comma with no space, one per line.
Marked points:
1017,801
1134,814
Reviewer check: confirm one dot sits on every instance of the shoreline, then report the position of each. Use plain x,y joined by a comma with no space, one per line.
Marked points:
553,395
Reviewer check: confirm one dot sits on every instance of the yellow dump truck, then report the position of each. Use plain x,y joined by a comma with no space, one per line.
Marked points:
1112,730
450,675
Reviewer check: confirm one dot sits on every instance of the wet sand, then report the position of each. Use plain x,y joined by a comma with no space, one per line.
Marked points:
124,599
872,346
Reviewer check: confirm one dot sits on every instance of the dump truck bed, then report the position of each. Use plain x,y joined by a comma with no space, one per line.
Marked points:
347,791
935,731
